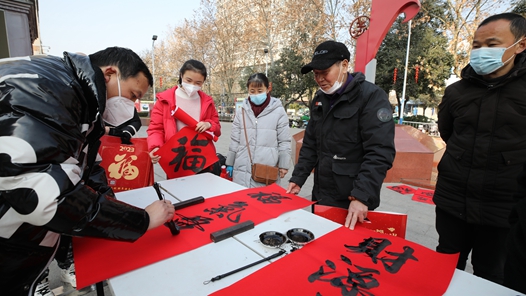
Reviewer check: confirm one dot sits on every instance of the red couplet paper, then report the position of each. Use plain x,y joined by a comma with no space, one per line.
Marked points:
127,166
352,262
424,195
186,153
182,116
402,189
394,224
100,259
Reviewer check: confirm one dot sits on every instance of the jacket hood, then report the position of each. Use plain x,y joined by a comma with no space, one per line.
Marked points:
518,69
91,79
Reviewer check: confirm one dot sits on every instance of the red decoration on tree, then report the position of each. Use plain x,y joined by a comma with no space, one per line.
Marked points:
160,82
416,73
394,75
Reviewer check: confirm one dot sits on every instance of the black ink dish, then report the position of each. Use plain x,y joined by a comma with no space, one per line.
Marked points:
300,236
272,239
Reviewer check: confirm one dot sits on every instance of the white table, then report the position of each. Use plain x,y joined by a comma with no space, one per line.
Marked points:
184,274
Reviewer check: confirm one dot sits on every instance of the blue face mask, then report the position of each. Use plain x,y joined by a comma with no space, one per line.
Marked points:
486,60
259,98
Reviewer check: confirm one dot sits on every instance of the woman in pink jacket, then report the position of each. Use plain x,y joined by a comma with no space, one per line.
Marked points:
187,95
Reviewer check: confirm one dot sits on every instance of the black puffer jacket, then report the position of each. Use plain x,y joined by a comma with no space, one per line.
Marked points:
484,126
350,146
50,183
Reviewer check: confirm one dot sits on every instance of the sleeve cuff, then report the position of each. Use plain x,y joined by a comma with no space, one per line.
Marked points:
284,160
230,158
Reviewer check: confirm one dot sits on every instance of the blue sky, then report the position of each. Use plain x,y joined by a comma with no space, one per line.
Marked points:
91,25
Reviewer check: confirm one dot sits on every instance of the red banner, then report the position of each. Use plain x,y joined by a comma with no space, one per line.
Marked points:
424,195
394,224
352,262
127,166
402,189
186,153
100,259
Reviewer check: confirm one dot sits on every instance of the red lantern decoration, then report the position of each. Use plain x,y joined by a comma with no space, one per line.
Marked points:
161,82
394,75
416,73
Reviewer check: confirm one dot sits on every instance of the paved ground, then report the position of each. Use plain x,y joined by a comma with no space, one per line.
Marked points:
420,223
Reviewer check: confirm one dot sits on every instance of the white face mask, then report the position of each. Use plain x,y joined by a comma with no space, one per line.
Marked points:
190,89
336,86
118,109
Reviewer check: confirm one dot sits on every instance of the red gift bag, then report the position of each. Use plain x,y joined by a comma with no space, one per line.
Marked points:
127,166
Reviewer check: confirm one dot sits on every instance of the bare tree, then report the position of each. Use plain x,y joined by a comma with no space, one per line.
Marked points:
231,49
461,21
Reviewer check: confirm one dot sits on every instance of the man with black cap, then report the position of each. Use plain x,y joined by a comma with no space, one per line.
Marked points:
349,140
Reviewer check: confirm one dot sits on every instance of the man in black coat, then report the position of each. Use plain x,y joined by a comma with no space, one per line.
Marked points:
51,118
349,140
482,118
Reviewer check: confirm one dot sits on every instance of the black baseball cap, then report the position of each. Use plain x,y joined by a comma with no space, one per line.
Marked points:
325,55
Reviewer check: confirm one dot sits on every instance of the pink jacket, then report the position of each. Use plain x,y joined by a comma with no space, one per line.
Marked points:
162,125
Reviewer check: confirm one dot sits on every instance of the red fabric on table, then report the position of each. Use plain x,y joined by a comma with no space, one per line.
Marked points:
383,222
402,189
424,195
127,166
100,259
186,153
298,273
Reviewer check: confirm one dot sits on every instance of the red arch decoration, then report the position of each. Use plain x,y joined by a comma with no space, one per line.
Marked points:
383,15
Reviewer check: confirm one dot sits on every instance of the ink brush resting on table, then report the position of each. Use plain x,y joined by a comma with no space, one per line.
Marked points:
184,203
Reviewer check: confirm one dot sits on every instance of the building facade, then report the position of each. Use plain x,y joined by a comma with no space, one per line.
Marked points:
18,27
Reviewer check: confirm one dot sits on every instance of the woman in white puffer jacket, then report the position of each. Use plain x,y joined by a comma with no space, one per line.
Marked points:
267,127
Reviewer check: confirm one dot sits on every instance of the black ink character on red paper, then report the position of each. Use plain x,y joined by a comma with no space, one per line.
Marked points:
190,160
192,222
374,246
236,208
402,189
394,264
356,282
426,193
268,198
370,246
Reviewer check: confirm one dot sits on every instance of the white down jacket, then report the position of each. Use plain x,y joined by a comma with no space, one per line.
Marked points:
269,138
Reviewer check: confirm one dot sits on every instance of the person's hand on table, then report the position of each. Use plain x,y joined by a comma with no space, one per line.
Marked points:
160,212
229,170
282,173
202,126
155,158
293,188
357,212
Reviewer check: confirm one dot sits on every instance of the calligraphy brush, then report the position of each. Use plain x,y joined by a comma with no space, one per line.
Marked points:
184,203
217,278
174,229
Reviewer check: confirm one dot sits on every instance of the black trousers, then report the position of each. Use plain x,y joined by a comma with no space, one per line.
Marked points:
487,244
22,267
64,255
515,268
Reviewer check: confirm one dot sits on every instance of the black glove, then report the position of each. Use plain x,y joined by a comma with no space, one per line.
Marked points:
123,134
